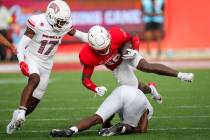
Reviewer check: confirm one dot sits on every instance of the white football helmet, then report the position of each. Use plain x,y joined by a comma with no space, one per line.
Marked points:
99,38
58,14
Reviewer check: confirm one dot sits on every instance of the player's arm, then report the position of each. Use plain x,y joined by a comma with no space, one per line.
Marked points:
86,78
79,34
24,41
88,83
6,43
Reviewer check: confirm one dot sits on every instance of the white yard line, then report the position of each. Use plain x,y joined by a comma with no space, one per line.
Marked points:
79,118
94,130
94,108
6,81
56,109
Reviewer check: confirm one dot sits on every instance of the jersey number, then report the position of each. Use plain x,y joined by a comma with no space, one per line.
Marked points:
43,45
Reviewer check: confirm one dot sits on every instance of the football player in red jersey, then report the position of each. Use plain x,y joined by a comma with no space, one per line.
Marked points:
106,48
6,43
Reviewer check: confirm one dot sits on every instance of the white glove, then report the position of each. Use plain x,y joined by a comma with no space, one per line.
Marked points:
101,90
130,54
185,76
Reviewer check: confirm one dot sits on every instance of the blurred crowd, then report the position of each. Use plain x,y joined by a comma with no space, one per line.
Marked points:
12,27
6,20
13,21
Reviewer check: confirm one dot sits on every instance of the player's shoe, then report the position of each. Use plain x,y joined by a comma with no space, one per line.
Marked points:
185,76
114,130
17,122
155,95
61,133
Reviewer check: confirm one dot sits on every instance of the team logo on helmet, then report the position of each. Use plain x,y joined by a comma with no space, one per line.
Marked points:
55,7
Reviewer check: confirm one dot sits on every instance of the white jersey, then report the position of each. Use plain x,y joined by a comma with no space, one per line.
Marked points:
46,40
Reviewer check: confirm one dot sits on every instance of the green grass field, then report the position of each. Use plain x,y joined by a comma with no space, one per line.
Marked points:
184,114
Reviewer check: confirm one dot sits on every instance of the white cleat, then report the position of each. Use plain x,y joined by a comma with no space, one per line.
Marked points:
155,95
185,76
17,121
11,127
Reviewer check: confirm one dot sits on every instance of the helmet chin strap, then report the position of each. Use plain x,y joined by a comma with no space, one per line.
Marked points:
108,51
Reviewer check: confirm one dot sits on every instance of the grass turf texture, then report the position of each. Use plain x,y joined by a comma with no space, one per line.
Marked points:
184,114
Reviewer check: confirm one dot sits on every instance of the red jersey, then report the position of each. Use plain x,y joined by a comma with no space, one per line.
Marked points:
90,59
118,38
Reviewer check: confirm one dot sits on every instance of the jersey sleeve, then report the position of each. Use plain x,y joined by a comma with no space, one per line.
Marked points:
88,62
87,58
82,56
31,23
135,42
126,35
87,82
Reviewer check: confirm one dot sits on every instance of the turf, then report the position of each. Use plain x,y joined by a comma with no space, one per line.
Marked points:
184,114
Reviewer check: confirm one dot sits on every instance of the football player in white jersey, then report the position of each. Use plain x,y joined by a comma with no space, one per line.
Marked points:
35,53
128,101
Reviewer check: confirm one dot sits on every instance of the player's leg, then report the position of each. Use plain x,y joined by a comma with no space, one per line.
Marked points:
82,125
32,100
39,91
133,109
33,81
27,92
109,107
32,105
161,69
141,64
125,75
156,68
134,106
144,88
101,115
108,123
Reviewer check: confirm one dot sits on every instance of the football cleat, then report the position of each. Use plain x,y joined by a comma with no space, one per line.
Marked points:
17,121
185,76
114,130
155,95
61,133
11,127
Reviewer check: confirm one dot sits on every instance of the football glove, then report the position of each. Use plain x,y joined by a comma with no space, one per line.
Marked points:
101,90
130,54
24,68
